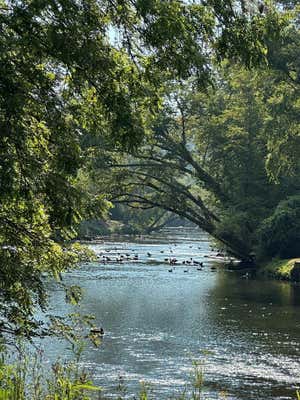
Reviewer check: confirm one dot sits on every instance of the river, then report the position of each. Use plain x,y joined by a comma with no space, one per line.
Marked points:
245,331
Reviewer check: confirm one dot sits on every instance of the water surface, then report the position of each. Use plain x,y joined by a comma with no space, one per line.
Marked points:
156,322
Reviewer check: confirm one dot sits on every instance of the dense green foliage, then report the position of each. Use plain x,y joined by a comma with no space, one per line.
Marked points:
209,161
280,233
164,108
85,82
61,79
225,158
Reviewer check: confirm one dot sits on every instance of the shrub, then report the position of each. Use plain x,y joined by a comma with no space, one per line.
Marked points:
280,233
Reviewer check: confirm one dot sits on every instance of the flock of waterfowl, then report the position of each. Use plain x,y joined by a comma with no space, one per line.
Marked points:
117,255
114,256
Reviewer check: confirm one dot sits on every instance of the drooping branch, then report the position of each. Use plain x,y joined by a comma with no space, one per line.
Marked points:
158,163
178,205
184,214
235,247
185,155
177,187
156,226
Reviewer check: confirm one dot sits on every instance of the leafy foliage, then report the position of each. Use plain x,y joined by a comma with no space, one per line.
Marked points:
207,160
25,379
280,233
79,80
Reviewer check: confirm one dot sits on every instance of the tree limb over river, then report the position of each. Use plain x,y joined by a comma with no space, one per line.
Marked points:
85,85
207,159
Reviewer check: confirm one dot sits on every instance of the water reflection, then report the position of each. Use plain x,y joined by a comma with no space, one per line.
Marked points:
156,321
259,321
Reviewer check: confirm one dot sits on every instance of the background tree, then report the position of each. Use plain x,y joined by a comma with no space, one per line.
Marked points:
77,77
206,160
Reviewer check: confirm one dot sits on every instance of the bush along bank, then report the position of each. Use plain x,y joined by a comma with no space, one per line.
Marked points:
281,269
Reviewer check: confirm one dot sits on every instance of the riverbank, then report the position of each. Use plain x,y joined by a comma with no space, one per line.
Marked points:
287,269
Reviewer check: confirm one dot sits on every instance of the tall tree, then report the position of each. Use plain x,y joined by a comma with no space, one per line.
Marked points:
206,160
76,76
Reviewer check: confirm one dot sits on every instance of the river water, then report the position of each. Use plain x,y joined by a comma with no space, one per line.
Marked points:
245,331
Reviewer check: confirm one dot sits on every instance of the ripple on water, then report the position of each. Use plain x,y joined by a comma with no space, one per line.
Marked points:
245,331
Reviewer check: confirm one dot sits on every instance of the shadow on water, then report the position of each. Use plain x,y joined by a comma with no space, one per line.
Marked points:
258,323
155,322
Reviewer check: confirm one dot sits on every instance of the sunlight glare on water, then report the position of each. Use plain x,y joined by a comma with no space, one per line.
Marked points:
246,331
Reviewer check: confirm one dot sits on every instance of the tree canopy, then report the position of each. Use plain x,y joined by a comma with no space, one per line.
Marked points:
225,158
82,81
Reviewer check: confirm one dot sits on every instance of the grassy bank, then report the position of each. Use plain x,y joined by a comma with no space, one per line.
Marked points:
279,269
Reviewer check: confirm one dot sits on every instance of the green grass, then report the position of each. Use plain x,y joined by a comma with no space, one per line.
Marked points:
278,268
